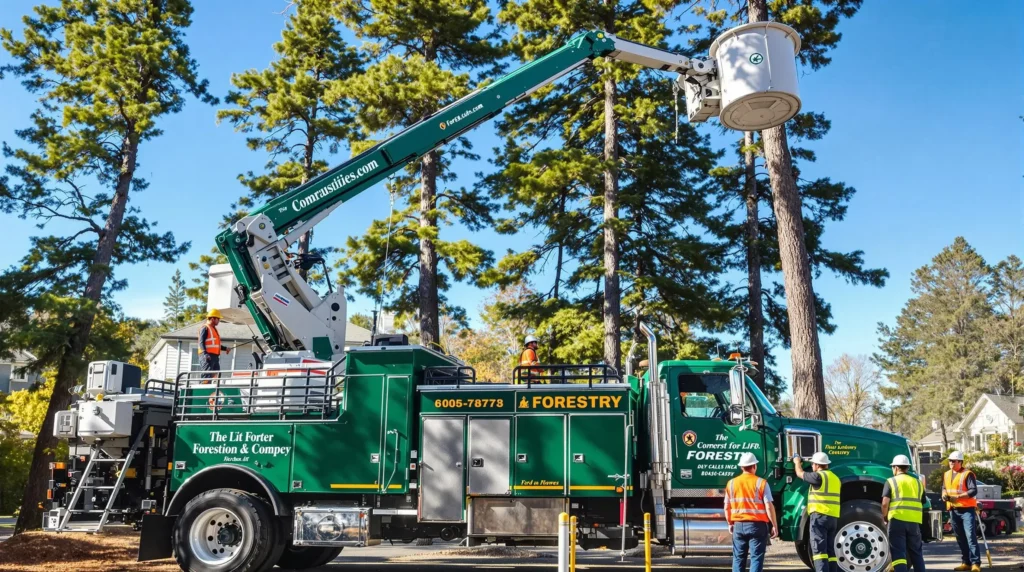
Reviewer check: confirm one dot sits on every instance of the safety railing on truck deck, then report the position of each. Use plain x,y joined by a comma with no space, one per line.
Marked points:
448,375
159,388
544,374
286,393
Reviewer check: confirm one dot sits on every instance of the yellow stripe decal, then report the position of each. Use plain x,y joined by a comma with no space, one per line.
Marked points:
347,486
595,487
538,487
371,486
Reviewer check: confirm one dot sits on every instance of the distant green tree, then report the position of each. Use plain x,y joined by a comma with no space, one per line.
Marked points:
1005,331
105,72
174,303
423,53
361,320
935,357
284,110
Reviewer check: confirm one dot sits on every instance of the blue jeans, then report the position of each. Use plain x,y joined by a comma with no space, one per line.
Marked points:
965,525
749,538
823,542
905,545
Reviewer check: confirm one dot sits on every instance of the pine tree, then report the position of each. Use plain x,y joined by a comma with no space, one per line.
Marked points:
824,201
105,73
616,200
816,22
284,108
419,49
1005,330
935,357
174,303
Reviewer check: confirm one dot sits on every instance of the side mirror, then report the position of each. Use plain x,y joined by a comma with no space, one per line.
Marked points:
736,394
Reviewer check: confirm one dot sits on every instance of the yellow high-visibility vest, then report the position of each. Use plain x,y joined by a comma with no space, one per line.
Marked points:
905,500
825,499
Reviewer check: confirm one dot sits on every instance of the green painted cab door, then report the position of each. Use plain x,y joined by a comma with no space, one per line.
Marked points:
706,447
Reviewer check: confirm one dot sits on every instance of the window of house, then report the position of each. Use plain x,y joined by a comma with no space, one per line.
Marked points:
18,374
193,350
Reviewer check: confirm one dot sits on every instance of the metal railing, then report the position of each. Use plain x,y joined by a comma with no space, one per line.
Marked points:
544,374
291,392
449,375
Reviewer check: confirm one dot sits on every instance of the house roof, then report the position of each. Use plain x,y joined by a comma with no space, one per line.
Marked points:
1007,404
934,438
20,356
231,332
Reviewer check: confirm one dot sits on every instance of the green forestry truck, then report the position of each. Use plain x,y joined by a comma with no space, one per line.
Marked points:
323,446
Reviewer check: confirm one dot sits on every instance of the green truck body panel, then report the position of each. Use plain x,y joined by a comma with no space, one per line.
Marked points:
564,440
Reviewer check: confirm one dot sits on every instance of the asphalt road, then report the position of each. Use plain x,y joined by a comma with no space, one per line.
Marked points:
941,556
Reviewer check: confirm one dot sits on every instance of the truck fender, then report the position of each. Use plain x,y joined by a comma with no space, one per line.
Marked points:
227,477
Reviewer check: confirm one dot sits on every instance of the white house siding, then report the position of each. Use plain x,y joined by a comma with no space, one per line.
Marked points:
989,421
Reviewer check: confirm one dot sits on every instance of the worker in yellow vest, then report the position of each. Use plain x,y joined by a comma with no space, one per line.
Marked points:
959,489
751,515
823,510
902,513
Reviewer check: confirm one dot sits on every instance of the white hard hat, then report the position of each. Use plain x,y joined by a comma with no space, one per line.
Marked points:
529,339
820,459
747,460
956,456
900,461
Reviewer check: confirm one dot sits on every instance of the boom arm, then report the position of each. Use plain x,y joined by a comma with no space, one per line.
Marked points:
290,314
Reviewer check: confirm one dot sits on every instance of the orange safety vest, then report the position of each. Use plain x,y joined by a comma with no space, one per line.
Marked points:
746,499
212,340
953,483
529,357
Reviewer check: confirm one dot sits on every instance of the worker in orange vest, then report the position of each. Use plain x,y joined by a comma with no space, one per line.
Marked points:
751,515
959,489
529,357
210,346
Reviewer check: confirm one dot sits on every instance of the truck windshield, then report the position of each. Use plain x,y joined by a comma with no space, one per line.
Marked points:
762,402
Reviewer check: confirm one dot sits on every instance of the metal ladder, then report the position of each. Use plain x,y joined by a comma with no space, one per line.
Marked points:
96,458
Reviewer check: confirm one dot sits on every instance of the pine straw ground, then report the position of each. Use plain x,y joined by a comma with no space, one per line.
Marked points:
114,550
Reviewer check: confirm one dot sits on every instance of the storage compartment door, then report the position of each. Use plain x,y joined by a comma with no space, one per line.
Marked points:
597,449
540,456
441,476
488,456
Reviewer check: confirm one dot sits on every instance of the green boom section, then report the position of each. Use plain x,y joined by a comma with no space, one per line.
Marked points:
370,167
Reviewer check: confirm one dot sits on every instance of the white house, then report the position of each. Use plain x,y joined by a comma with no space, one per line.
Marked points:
178,351
992,415
13,375
933,443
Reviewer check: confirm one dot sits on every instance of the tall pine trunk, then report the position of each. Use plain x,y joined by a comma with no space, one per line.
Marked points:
808,378
612,317
428,299
307,173
70,366
755,312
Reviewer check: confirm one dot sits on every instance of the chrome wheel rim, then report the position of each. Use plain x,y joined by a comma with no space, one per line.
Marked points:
216,536
862,547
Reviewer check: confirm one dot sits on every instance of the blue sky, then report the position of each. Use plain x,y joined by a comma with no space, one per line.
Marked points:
924,125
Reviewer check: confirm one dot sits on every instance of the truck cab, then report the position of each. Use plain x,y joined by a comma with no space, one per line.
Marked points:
712,425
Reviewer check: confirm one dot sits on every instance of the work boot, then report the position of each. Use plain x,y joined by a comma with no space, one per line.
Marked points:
976,568
962,568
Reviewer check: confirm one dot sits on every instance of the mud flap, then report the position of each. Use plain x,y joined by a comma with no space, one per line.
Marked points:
155,543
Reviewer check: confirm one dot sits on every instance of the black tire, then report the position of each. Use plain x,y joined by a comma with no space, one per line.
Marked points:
242,522
306,557
860,533
803,550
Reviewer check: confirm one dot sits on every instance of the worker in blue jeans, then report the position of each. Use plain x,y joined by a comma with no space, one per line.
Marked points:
902,513
960,491
751,516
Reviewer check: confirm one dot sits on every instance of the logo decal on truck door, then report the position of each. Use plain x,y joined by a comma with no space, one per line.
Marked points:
689,438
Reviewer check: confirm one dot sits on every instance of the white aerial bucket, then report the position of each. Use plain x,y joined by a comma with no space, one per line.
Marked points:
757,70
